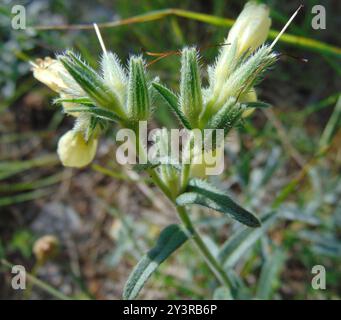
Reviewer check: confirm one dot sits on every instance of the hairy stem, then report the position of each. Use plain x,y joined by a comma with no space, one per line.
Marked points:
211,261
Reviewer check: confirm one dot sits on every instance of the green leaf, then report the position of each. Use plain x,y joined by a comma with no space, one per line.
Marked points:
140,167
138,94
171,238
202,193
91,83
165,161
190,85
236,246
227,117
172,102
98,112
83,100
114,75
256,104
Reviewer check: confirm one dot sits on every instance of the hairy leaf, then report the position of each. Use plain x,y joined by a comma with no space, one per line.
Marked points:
202,193
172,102
171,238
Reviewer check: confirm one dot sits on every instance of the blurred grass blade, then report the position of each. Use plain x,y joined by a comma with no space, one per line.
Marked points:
296,41
235,247
10,168
333,124
202,193
22,197
39,183
39,283
269,274
171,238
222,293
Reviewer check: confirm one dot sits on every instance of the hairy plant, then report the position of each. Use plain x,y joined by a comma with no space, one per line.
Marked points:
124,96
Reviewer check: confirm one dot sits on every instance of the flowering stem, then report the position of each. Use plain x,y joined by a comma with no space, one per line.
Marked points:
211,261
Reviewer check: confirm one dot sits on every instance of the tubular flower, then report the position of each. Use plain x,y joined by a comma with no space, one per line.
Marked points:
242,61
74,151
251,28
48,71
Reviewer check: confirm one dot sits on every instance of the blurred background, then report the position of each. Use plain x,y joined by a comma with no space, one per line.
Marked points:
285,159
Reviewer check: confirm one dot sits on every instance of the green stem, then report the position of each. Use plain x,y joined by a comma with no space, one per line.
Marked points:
212,262
185,172
157,180
293,40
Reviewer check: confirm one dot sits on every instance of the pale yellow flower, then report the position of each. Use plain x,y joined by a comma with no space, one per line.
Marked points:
208,163
49,71
75,151
251,27
249,96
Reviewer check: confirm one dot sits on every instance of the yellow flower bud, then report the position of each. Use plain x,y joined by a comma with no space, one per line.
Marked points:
75,151
249,96
48,71
209,163
251,27
45,248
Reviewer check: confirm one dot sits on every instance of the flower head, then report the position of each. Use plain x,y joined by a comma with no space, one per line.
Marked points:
251,28
75,151
49,71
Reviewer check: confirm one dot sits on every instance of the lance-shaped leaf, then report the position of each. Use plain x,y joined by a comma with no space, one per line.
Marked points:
190,86
82,100
114,75
202,193
91,83
172,102
96,111
256,104
227,117
171,238
138,103
247,75
269,275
